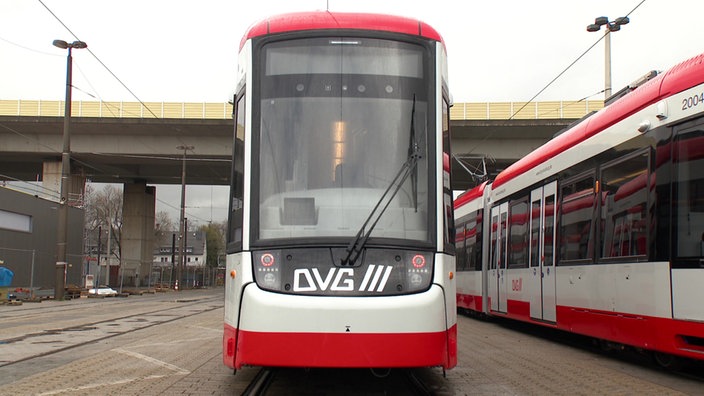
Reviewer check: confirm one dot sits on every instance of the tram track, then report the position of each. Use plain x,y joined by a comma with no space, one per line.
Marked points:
38,309
33,309
271,381
261,382
418,386
37,344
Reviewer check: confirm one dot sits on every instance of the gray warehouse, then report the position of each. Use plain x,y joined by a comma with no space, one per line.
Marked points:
28,228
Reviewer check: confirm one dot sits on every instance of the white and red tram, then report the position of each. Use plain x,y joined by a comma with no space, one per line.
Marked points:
340,241
601,230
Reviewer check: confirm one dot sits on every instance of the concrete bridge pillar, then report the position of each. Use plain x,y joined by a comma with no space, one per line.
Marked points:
51,181
139,204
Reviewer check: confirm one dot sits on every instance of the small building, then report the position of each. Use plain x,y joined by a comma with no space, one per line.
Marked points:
164,270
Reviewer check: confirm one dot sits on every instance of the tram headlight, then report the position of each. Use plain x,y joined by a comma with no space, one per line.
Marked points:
267,260
267,269
419,271
418,261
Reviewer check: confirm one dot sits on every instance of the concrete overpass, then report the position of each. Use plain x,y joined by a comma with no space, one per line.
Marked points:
136,144
118,142
126,142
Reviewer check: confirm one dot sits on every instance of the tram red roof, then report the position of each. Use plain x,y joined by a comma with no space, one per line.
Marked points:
470,195
319,20
682,76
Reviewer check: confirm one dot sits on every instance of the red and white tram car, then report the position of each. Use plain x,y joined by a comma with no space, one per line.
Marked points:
341,228
601,230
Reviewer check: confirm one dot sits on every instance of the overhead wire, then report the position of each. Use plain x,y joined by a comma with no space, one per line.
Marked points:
570,104
38,188
27,48
490,133
571,64
103,64
98,59
108,105
190,215
97,95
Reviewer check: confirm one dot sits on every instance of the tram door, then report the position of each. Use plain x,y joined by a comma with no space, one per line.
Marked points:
542,253
497,264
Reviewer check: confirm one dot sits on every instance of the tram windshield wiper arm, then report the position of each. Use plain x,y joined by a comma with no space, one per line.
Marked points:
414,151
354,249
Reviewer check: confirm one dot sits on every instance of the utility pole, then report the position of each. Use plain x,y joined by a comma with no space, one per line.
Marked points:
182,224
173,258
185,250
62,232
96,283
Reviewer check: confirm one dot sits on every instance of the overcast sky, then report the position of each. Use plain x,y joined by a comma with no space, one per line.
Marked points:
186,51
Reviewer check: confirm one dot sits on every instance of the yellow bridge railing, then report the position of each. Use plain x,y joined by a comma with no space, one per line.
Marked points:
195,110
55,108
523,110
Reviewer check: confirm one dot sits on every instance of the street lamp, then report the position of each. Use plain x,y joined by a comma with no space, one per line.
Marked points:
611,26
182,224
60,283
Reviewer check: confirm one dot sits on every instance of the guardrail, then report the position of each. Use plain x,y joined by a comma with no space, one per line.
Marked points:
524,110
184,110
55,108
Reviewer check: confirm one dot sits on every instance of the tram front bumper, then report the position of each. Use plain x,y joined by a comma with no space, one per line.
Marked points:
287,330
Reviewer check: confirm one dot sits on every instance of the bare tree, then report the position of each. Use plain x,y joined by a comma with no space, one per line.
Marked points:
103,210
164,227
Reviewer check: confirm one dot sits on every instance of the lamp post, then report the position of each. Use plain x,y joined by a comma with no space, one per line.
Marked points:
611,26
182,223
61,235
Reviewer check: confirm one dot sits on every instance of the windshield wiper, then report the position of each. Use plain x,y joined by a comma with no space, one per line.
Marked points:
414,150
409,168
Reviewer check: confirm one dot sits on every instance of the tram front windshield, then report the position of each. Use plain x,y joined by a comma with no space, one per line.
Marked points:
339,118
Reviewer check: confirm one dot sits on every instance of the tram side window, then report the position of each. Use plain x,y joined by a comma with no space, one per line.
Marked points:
518,234
236,218
688,191
474,241
503,224
494,242
460,256
535,234
625,188
576,219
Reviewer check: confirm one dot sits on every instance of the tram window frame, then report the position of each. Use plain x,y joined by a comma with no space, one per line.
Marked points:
625,175
438,234
522,235
448,206
235,228
686,197
578,189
